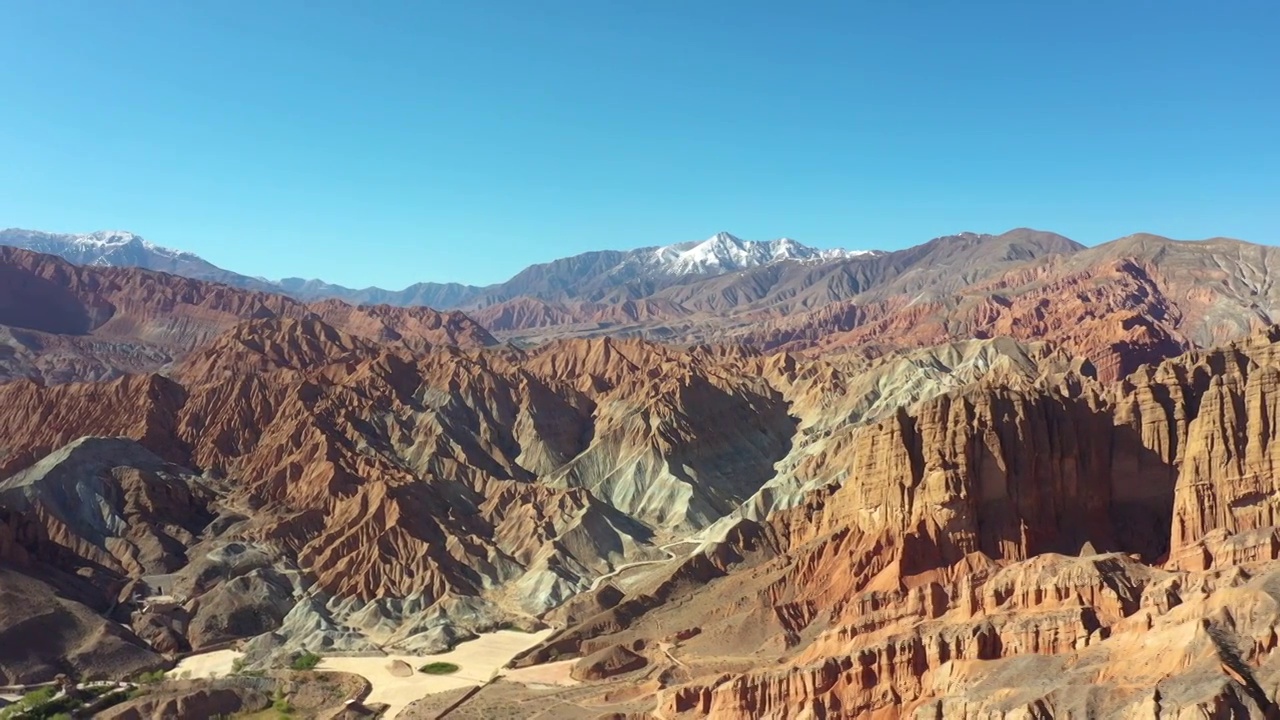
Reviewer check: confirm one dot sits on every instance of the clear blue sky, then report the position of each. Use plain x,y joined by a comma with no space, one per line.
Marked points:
389,142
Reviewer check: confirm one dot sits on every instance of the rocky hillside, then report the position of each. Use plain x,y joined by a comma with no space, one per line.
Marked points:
703,306
1136,300
62,322
452,488
1140,299
993,552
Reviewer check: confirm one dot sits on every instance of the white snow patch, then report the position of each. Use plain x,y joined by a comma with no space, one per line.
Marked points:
723,252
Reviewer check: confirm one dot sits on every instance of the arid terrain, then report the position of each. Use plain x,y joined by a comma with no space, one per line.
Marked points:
989,476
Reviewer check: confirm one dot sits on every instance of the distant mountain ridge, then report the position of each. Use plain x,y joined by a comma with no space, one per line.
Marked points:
1170,296
589,275
62,322
119,248
100,244
721,307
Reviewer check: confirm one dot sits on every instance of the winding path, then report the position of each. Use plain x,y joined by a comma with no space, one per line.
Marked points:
623,568
665,647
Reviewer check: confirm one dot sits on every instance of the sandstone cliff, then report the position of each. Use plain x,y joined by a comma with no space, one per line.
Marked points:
990,552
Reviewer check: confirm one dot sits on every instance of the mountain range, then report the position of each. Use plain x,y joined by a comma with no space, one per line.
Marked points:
780,295
986,476
596,272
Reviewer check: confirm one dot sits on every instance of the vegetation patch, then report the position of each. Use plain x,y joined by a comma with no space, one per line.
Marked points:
38,697
281,704
238,669
42,704
306,661
439,668
150,678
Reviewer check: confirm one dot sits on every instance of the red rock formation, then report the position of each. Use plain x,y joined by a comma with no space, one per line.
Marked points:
614,660
417,328
414,469
934,573
68,322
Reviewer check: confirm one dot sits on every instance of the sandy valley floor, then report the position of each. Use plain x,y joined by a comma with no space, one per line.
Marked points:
478,661
218,663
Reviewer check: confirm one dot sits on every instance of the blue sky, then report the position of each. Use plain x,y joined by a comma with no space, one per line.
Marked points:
390,142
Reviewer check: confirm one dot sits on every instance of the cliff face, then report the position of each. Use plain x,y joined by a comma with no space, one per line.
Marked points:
1227,484
1051,637
1150,465
1004,473
998,547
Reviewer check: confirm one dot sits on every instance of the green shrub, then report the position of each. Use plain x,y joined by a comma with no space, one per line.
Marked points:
281,703
37,704
41,707
39,697
61,706
237,668
439,668
150,678
306,661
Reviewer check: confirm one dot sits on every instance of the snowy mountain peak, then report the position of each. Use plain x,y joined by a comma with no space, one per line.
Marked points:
108,240
104,247
724,238
720,251
107,237
724,252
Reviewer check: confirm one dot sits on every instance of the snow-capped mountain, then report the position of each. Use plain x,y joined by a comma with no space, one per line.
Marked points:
723,253
620,275
104,247
604,275
119,248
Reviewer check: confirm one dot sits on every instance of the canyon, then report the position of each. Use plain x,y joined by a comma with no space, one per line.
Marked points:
989,476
